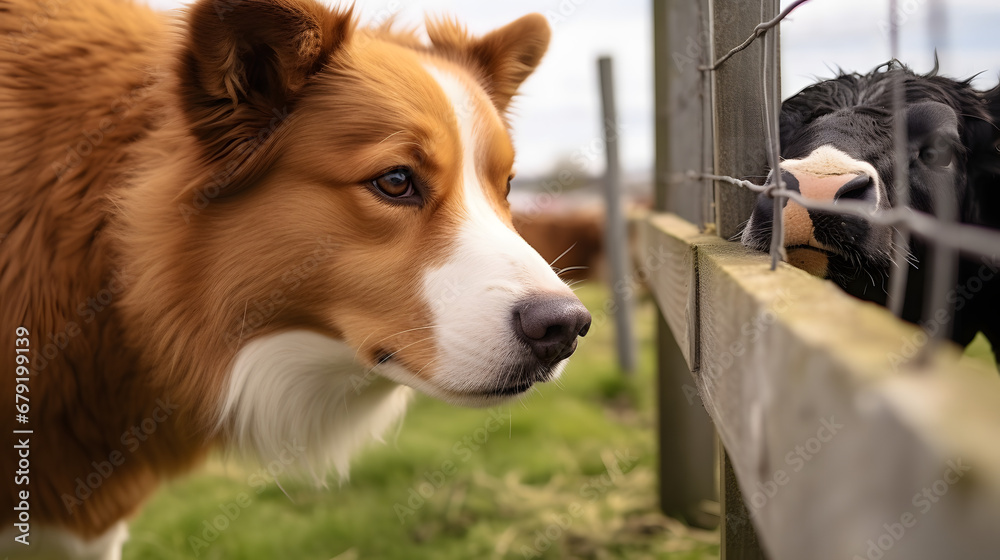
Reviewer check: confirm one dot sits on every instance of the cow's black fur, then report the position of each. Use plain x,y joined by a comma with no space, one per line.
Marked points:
947,121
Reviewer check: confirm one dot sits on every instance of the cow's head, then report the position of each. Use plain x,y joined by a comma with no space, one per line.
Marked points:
837,141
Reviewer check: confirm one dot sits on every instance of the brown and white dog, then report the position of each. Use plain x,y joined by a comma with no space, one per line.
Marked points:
256,226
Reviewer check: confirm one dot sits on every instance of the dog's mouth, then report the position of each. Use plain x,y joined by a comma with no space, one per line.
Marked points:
509,380
509,390
382,356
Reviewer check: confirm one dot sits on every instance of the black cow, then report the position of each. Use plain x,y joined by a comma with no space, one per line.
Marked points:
837,144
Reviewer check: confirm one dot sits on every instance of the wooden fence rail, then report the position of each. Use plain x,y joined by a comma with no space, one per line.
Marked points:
841,447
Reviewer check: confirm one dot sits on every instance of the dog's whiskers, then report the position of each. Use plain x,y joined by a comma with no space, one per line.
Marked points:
562,255
362,345
431,361
386,358
561,271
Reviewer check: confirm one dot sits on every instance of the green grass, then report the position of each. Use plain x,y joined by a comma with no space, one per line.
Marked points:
570,475
980,349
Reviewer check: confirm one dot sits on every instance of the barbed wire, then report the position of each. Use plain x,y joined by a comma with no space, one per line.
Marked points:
761,29
980,241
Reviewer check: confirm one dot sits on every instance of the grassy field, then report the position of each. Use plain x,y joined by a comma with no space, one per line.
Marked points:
569,472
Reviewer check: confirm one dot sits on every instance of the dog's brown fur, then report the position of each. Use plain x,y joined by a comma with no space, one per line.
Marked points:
73,90
124,254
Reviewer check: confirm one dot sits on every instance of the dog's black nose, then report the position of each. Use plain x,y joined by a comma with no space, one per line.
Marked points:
550,324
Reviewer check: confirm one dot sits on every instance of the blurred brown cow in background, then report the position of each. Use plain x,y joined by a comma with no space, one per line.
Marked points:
578,233
557,216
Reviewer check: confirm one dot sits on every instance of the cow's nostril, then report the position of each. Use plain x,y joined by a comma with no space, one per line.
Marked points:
861,187
550,324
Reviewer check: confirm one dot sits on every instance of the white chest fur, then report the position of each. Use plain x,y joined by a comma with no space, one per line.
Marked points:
304,391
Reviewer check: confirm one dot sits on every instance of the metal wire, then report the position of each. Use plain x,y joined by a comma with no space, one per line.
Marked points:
944,260
974,240
772,110
901,176
761,29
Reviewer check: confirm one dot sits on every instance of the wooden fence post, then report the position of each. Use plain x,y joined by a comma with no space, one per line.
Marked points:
682,42
737,99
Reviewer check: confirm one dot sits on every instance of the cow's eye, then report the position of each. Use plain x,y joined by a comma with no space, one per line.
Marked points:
937,154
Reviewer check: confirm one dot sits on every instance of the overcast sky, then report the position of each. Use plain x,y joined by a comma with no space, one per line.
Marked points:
557,115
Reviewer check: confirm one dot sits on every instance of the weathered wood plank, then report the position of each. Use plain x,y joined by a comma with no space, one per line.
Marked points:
839,451
673,240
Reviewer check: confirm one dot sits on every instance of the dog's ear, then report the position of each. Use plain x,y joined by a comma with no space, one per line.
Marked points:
504,57
242,67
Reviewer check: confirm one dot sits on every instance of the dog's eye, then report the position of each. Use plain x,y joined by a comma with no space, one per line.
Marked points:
397,183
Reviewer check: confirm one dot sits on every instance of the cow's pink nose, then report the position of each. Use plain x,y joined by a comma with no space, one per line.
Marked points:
832,187
827,188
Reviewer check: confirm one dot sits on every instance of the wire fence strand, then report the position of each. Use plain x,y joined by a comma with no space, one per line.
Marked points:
901,175
975,240
772,111
761,29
